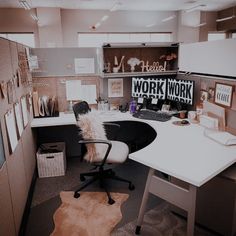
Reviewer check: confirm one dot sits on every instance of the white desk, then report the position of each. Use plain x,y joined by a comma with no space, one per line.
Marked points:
182,152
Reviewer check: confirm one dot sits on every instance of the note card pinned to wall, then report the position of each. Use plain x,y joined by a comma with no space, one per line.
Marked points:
2,153
84,66
11,130
73,90
24,110
89,93
19,121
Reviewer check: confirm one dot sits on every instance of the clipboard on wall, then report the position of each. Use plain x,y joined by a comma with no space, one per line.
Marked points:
11,130
24,110
2,151
19,121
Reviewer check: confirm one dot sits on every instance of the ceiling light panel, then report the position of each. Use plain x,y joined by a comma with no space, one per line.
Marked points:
25,4
168,18
225,18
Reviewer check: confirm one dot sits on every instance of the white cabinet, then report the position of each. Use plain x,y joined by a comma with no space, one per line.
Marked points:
213,57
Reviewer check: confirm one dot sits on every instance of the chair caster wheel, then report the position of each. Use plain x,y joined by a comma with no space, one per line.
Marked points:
137,230
76,195
131,187
111,201
82,178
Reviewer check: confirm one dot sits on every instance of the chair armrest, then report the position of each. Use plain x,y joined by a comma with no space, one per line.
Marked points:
88,141
111,129
112,124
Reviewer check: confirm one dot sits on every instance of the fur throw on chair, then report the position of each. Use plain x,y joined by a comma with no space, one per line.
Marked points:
92,128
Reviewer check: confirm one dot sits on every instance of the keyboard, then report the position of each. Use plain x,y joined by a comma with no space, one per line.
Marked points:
152,115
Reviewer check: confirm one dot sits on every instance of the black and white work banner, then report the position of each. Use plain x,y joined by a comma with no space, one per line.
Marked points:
180,90
149,87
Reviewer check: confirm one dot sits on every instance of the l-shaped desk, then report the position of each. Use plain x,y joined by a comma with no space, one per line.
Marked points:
182,152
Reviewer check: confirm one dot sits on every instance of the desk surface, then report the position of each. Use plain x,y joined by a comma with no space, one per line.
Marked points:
180,151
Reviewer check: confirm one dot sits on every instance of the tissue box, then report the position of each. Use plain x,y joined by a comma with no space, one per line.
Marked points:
208,122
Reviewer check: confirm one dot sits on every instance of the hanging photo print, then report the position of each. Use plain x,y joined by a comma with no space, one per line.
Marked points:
223,94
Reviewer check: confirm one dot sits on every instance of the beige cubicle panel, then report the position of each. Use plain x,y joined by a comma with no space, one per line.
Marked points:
17,171
6,213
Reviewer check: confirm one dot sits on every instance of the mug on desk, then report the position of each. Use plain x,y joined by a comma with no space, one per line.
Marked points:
192,116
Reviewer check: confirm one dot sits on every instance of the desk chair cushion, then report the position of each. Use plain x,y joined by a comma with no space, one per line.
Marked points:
119,152
92,128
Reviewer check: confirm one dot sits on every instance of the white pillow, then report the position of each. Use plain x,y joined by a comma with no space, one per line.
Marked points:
92,128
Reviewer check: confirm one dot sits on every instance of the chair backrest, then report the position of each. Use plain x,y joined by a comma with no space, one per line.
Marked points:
92,128
80,108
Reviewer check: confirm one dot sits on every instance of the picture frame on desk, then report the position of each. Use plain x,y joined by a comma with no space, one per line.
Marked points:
115,88
223,94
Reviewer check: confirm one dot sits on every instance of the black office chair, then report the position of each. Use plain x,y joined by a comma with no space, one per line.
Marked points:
100,150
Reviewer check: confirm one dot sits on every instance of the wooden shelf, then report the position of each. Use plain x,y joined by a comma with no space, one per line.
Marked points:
130,74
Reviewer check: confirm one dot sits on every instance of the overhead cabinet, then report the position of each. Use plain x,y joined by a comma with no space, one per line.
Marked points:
213,57
128,60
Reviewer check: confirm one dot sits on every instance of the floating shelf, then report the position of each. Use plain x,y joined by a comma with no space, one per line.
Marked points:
130,74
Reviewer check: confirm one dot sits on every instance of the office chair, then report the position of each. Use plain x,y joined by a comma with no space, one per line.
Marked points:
100,150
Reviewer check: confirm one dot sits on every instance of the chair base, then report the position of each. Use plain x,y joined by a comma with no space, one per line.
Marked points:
101,176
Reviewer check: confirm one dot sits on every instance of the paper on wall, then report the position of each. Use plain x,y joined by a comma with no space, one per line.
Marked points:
33,62
73,90
24,110
89,93
11,129
19,121
84,66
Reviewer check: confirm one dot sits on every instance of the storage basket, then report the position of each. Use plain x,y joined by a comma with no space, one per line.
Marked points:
51,159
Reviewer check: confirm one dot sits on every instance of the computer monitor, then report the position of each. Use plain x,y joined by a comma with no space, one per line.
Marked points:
181,91
149,87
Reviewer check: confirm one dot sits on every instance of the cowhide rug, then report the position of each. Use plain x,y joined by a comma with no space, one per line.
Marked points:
88,215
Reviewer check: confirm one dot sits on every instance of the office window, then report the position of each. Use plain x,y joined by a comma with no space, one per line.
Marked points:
139,38
118,38
161,37
91,40
23,38
216,36
233,35
98,39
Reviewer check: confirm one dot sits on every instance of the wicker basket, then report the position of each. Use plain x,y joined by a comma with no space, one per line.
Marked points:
51,159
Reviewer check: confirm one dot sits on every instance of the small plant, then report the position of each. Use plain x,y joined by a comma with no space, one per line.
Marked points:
133,61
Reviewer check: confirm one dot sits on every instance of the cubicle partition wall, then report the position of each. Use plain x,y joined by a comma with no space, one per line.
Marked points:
17,170
206,84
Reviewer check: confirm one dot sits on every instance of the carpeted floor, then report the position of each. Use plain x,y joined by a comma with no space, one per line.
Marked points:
162,222
46,201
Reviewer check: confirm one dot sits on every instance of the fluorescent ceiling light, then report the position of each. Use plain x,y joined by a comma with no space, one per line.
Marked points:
200,25
195,8
115,6
150,25
225,18
168,18
34,17
104,18
97,24
25,4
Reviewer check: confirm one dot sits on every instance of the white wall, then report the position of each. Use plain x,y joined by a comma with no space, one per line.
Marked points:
187,33
49,26
18,20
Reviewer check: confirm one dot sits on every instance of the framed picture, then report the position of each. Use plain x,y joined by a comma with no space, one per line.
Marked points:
223,94
203,95
115,88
